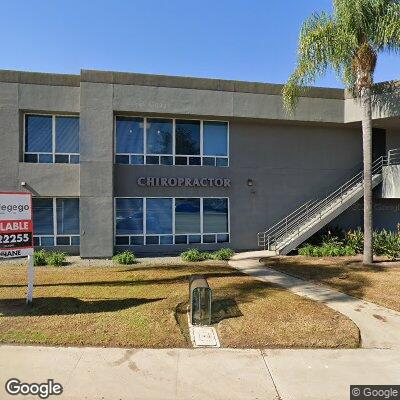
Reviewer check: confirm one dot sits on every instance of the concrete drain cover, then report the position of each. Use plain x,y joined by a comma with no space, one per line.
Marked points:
204,336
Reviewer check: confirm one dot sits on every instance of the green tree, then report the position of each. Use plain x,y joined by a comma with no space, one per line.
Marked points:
348,41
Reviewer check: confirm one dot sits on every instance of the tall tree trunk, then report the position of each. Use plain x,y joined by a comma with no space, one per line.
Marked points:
367,159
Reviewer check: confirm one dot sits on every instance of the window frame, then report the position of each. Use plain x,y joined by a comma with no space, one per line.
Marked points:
144,235
174,156
53,138
55,235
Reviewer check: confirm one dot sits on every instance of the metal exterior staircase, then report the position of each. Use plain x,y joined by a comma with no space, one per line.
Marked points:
309,218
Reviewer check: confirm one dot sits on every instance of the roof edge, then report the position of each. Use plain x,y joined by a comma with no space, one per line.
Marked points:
183,82
39,78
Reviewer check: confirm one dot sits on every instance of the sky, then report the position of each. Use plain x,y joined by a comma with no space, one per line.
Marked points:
250,40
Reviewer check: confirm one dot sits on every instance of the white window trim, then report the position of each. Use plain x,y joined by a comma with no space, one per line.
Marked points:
53,152
202,156
55,234
173,234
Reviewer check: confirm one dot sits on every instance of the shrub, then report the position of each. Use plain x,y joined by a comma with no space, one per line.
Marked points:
40,258
207,255
55,258
223,254
326,235
355,240
125,258
193,255
306,250
386,244
330,240
326,250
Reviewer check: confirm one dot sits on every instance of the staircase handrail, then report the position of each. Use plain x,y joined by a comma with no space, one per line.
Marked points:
311,208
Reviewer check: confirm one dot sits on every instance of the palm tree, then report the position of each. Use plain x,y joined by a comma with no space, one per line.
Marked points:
349,42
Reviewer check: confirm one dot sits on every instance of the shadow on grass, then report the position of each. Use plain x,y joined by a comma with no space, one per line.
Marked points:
66,306
344,275
224,309
135,282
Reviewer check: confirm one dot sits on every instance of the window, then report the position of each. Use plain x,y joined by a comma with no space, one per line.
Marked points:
215,143
51,139
160,221
162,141
215,215
129,216
56,221
187,134
187,215
159,216
159,136
129,140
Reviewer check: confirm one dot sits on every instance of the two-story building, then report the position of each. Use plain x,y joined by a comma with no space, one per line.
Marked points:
158,164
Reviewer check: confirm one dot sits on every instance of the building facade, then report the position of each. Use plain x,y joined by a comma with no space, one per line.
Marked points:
159,164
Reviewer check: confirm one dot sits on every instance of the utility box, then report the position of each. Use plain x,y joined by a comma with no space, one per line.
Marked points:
200,295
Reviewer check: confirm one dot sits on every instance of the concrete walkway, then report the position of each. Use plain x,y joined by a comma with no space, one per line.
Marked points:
379,326
215,374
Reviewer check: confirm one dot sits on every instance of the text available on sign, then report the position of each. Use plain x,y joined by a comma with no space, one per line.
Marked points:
16,236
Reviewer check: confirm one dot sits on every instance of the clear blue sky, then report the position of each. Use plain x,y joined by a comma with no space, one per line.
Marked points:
253,40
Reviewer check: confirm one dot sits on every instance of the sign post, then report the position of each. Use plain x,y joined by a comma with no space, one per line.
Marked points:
16,231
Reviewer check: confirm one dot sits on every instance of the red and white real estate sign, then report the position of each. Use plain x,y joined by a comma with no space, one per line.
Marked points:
16,228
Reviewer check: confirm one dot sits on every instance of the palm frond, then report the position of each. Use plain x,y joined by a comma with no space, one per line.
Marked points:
321,45
387,26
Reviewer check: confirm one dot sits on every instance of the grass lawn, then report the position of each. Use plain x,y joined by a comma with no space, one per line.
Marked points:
379,283
144,306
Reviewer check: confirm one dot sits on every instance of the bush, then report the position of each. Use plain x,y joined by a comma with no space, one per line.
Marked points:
193,255
55,258
125,258
40,258
223,254
326,250
386,244
307,250
355,240
330,240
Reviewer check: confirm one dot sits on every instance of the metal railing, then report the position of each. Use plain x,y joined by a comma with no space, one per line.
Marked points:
308,214
393,157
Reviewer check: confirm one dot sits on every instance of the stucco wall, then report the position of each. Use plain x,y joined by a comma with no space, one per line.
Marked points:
289,158
288,164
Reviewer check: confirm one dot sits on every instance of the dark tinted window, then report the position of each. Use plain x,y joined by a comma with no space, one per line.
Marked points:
159,215
187,215
159,136
187,137
129,135
43,216
67,216
215,215
67,135
129,216
38,133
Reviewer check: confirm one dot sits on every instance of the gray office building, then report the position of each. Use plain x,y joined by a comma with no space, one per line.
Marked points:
158,164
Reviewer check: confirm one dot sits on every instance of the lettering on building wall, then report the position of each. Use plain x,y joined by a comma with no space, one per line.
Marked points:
183,182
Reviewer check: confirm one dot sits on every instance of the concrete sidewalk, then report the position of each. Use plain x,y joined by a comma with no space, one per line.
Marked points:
220,374
379,326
